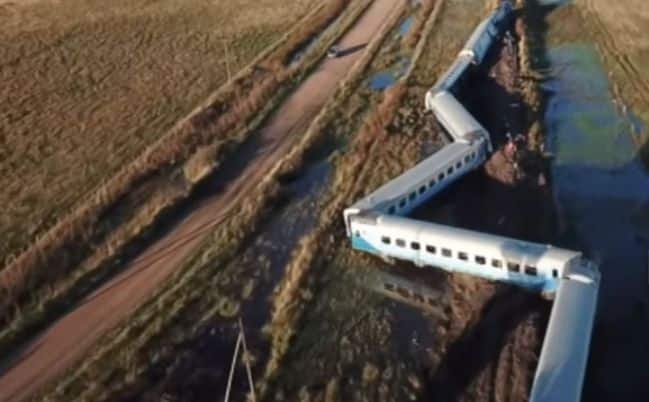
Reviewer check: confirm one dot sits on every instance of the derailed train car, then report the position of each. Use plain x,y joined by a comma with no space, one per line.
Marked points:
378,224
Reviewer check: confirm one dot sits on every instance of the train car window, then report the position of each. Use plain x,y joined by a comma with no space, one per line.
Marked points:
401,243
530,270
418,297
462,256
496,263
555,273
357,233
446,252
513,266
402,203
480,260
389,286
415,246
467,158
422,189
385,239
431,183
412,196
440,177
392,210
450,170
472,155
431,249
431,302
458,165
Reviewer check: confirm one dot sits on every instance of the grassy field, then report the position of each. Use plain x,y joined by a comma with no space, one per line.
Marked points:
207,292
87,86
91,245
619,30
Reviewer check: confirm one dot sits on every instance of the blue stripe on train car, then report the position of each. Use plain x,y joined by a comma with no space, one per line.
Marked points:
534,283
361,244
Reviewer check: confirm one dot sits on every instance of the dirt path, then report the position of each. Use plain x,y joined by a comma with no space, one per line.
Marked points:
71,337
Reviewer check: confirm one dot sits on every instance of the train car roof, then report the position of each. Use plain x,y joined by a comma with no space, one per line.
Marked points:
453,73
457,238
477,33
454,116
560,371
401,185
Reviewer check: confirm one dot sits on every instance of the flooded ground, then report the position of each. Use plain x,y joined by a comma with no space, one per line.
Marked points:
601,193
385,79
199,371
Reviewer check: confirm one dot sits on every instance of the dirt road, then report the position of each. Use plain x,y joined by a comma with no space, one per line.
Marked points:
72,336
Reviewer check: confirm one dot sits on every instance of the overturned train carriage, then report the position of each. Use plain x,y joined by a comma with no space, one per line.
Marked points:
378,224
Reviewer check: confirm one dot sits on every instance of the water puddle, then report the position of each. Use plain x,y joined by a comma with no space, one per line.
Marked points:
405,26
385,79
601,190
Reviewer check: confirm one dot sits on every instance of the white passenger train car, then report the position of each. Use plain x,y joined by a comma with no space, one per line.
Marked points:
376,225
449,80
534,266
562,365
474,50
414,187
457,121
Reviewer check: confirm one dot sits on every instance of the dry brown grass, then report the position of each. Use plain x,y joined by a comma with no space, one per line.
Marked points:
89,84
221,114
621,32
139,338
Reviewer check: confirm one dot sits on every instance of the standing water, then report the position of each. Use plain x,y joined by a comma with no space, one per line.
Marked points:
602,192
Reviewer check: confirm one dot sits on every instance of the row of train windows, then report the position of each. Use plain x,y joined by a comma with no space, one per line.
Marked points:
445,252
404,201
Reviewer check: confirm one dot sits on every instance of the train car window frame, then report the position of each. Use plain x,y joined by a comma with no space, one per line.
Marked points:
513,266
496,263
400,243
447,252
431,249
386,240
415,245
464,256
480,260
555,273
530,270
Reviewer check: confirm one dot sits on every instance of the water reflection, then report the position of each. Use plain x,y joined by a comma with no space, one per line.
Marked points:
602,194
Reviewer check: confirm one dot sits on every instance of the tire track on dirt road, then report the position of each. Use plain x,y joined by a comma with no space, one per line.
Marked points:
68,339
